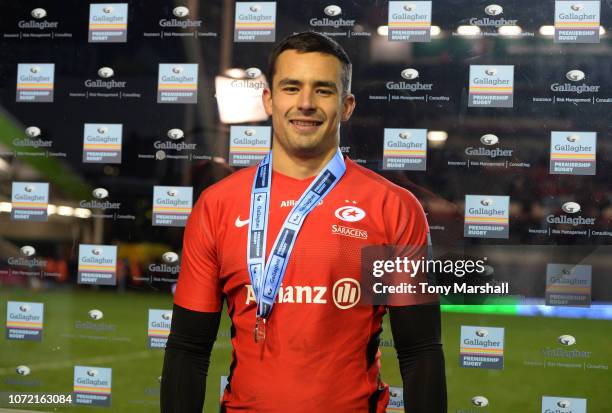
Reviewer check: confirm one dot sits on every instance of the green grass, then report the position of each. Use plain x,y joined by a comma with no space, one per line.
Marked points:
516,388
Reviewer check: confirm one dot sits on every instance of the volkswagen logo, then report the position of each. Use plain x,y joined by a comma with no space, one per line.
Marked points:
38,13
332,10
32,131
107,9
567,340
255,8
253,72
99,193
95,314
27,250
489,139
180,11
480,401
575,75
494,10
346,293
22,370
24,308
571,207
481,332
410,74
175,134
573,138
35,69
105,72
486,202
170,257
177,69
491,71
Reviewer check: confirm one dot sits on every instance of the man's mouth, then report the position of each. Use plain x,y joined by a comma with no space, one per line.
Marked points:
305,125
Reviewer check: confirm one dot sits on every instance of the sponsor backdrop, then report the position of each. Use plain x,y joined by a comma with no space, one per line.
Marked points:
115,116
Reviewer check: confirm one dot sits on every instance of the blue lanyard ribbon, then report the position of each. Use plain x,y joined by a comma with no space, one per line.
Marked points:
266,276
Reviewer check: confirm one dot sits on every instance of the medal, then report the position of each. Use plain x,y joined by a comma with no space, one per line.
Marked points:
266,275
260,330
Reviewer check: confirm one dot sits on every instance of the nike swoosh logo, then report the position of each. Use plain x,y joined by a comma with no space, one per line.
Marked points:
240,223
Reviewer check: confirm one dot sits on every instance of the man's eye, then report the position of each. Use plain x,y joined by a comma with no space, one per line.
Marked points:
324,92
290,89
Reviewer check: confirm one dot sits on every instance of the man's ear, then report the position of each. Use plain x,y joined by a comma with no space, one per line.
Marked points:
266,98
348,106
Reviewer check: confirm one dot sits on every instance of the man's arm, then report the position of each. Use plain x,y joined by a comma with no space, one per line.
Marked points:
187,358
416,333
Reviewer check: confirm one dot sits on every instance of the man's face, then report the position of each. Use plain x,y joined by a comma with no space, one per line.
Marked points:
306,104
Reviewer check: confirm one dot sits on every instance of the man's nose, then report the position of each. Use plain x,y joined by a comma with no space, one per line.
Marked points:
306,100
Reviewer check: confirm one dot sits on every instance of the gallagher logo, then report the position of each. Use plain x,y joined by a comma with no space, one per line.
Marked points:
350,213
480,401
574,76
567,340
332,11
409,74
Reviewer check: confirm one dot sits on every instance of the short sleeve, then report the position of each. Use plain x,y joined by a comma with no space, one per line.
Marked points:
405,220
198,287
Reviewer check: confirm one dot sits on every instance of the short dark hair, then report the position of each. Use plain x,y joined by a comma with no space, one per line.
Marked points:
308,42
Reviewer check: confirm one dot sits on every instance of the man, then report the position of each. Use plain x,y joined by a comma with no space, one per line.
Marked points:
301,341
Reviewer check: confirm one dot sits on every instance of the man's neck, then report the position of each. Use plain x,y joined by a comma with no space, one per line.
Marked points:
300,167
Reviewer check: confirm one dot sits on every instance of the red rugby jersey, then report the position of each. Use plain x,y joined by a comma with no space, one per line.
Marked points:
318,355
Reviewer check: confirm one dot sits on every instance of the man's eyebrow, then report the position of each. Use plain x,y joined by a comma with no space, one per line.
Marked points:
318,83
